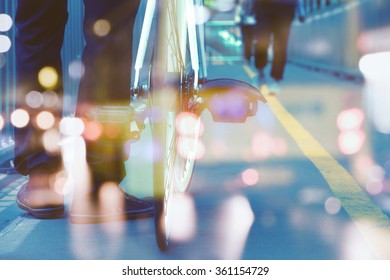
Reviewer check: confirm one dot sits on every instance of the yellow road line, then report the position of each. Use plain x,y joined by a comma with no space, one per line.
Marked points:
369,218
249,71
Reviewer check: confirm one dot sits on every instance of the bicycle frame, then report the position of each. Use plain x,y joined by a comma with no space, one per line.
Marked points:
187,29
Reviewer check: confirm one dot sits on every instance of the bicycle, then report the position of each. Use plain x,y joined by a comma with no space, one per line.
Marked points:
177,84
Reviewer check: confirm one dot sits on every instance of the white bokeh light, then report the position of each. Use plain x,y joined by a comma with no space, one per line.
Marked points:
235,221
1,123
5,44
5,22
76,69
51,139
34,99
71,127
45,120
332,205
20,118
224,5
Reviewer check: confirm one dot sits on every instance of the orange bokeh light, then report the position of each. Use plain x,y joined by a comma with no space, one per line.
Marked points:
92,131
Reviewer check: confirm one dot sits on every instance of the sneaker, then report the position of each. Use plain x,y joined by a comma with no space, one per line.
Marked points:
41,202
274,86
113,206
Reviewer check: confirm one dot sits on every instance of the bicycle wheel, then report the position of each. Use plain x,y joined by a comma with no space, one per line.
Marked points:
171,92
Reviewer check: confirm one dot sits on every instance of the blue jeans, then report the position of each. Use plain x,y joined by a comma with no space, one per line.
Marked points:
107,60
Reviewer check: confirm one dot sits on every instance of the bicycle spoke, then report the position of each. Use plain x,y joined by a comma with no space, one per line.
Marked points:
173,39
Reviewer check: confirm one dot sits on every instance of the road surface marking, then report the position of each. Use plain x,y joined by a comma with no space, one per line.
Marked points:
249,71
13,235
369,218
20,226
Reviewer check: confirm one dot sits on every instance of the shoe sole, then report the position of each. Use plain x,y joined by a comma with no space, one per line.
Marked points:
42,213
94,219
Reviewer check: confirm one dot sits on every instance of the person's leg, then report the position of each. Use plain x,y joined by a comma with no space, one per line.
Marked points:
107,58
262,35
40,30
281,24
247,40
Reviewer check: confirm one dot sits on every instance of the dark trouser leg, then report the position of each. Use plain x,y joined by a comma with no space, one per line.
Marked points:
262,33
247,40
107,59
40,30
281,24
281,36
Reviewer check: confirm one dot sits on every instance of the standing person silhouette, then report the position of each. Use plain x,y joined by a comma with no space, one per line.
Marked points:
107,62
273,19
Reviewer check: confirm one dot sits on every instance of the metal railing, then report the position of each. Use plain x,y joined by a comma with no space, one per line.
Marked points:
7,80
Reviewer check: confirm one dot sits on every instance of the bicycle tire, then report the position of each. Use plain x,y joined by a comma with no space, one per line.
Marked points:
171,171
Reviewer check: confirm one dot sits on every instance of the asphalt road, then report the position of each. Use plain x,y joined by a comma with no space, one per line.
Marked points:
279,186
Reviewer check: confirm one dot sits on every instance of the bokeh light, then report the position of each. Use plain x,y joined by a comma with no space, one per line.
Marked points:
5,22
59,181
76,69
34,99
93,130
50,99
351,142
361,165
234,223
352,248
50,140
202,14
20,118
102,27
183,226
48,77
224,5
319,47
262,145
375,67
312,195
71,127
374,187
5,44
188,147
188,124
350,119
1,122
250,177
45,120
280,147
374,40
189,127
332,206
375,181
376,172
110,197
